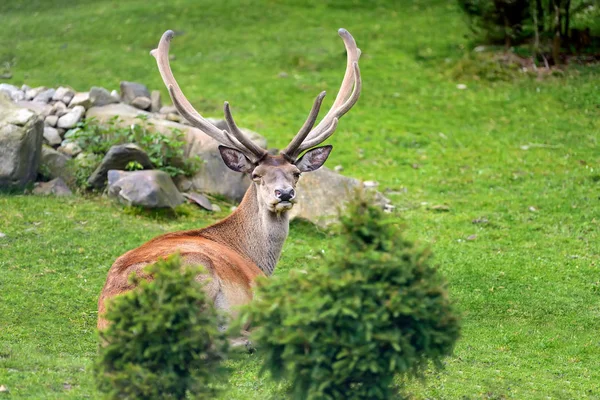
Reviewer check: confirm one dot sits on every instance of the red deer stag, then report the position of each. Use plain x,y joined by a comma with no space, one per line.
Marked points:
248,243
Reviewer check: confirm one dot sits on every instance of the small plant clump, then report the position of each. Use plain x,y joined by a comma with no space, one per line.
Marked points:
165,151
376,309
163,341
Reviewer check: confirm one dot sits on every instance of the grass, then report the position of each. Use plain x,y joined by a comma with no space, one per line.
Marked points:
521,155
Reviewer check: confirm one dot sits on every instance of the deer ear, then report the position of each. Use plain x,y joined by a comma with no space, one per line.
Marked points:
314,159
235,160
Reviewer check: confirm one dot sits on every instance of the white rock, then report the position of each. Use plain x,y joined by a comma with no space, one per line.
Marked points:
51,135
461,86
63,94
51,120
25,88
370,184
81,99
216,208
115,95
20,116
44,96
338,168
19,95
70,119
31,93
69,148
141,102
59,109
7,87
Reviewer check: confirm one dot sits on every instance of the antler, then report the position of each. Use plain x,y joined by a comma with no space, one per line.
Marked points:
238,141
345,99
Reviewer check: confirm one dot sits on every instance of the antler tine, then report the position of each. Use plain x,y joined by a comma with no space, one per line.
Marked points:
185,108
346,98
258,151
290,150
342,102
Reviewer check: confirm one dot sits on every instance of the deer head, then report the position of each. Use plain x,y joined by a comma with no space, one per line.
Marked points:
276,176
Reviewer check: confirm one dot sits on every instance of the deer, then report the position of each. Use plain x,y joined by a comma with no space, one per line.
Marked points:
248,243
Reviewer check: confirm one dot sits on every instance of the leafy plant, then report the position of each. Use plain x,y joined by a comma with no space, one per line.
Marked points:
165,151
376,308
163,340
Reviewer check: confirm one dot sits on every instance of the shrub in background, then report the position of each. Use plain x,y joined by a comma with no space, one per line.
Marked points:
163,341
165,151
375,309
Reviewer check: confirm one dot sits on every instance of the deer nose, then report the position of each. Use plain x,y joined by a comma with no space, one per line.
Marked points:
285,194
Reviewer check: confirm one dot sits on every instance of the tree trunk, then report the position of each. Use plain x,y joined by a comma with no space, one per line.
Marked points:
556,41
567,19
539,15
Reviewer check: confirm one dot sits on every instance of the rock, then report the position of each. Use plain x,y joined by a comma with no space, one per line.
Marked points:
183,183
213,176
149,188
115,95
44,96
59,109
100,97
199,199
8,88
173,117
440,208
338,168
69,148
51,120
52,136
321,193
19,116
31,93
117,158
168,110
56,164
13,92
156,102
63,94
131,90
81,99
56,187
370,184
37,107
141,102
216,208
20,145
2,235
70,119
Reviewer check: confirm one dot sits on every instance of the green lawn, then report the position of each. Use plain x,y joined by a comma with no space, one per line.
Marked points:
521,155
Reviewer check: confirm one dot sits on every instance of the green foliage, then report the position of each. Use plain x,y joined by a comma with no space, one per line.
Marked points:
165,151
499,20
376,309
164,339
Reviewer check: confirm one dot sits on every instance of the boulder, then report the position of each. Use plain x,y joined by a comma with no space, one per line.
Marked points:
13,92
44,96
141,102
39,108
52,136
100,96
31,93
117,158
80,99
131,90
51,120
322,193
213,176
115,95
56,187
56,164
59,109
69,148
63,94
70,119
199,199
156,102
148,189
21,135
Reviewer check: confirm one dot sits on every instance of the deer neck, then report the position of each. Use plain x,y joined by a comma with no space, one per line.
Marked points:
253,231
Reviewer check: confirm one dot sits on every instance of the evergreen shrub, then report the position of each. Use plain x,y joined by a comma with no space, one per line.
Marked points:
163,341
375,309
